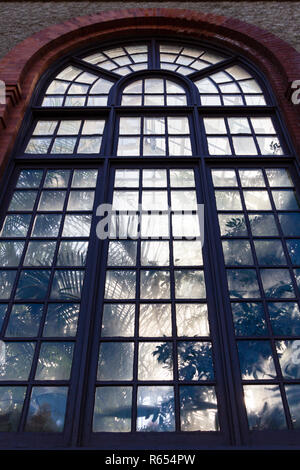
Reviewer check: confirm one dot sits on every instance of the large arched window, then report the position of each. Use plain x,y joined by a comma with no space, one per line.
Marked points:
169,330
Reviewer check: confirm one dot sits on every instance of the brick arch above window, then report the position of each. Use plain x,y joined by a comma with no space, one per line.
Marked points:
23,66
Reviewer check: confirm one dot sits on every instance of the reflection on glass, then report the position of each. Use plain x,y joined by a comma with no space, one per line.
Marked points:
155,225
252,178
155,320
84,178
285,200
155,253
72,253
46,225
154,178
256,360
263,225
154,146
289,358
285,318
47,409
118,320
264,407
24,320
120,285
257,200
154,200
3,309
52,200
18,360
112,410
29,178
61,319
22,201
115,361
269,252
16,225
192,320
248,318
228,200
198,408
77,226
11,404
124,226
81,201
155,409
183,200
232,225
122,253
185,225
187,253
57,179
67,285
237,252
33,284
279,177
293,247
155,284
195,360
277,283
242,283
182,178
125,200
224,178
7,279
39,253
293,398
290,224
189,284
127,178
55,361
10,253
155,361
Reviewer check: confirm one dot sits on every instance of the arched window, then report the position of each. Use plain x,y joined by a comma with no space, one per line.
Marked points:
184,320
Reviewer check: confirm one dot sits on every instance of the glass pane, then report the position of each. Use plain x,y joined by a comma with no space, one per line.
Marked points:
277,283
84,178
249,319
81,201
244,146
155,284
154,178
127,178
155,226
52,200
179,146
154,200
33,284
77,226
47,409
182,178
154,125
155,409
264,407
238,125
16,225
237,252
155,361
69,127
72,253
122,253
269,146
224,178
57,179
290,224
183,200
89,145
22,201
154,146
256,360
10,253
155,253
67,285
285,200
232,225
124,226
192,320
185,225
29,179
63,145
178,125
11,404
3,310
288,353
130,125
292,394
118,320
195,360
228,200
269,252
112,411
48,127
218,146
285,318
215,125
120,285
91,127
263,125
187,253
115,361
55,361
242,283
38,145
46,225
24,320
61,320
263,225
293,247
252,178
279,177
189,284
198,409
125,200
155,320
40,253
257,200
17,362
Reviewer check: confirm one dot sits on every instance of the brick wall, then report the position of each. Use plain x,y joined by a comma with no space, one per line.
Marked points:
22,67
